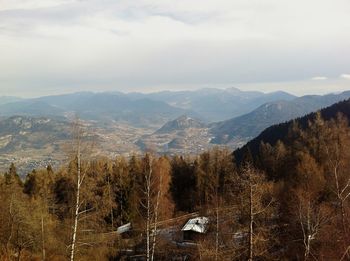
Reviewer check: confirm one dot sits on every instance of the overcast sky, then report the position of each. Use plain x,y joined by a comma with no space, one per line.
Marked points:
56,46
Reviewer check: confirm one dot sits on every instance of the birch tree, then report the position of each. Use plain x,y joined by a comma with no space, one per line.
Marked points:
80,171
329,142
156,202
311,213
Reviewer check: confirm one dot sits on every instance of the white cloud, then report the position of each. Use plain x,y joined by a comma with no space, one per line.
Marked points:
319,78
345,76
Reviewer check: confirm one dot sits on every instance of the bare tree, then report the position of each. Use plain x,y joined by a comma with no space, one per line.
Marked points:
312,217
146,201
155,202
309,210
336,144
78,148
260,201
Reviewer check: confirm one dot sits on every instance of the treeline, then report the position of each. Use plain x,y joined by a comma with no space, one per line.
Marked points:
289,201
37,215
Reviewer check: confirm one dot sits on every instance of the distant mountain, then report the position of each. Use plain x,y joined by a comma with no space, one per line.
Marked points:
141,110
30,108
216,104
250,125
280,131
67,102
98,107
182,135
8,99
181,123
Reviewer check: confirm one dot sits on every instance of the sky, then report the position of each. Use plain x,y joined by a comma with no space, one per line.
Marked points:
58,46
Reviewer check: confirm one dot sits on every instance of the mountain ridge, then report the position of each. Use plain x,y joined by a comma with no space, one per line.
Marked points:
181,123
250,125
140,109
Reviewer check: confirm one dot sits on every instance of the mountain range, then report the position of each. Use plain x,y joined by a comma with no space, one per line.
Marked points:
138,109
217,104
164,122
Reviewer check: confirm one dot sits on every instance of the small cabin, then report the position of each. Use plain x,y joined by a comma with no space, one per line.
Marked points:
195,228
125,230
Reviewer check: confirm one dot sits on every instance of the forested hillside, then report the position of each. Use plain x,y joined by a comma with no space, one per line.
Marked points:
280,131
286,200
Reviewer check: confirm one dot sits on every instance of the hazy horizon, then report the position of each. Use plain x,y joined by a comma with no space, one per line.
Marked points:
313,88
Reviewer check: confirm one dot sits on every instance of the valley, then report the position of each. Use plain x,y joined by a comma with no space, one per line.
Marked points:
33,149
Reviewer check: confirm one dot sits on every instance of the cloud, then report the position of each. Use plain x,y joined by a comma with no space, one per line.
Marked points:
319,78
345,76
31,4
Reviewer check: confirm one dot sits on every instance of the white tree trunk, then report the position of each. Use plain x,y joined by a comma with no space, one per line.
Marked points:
77,204
156,217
